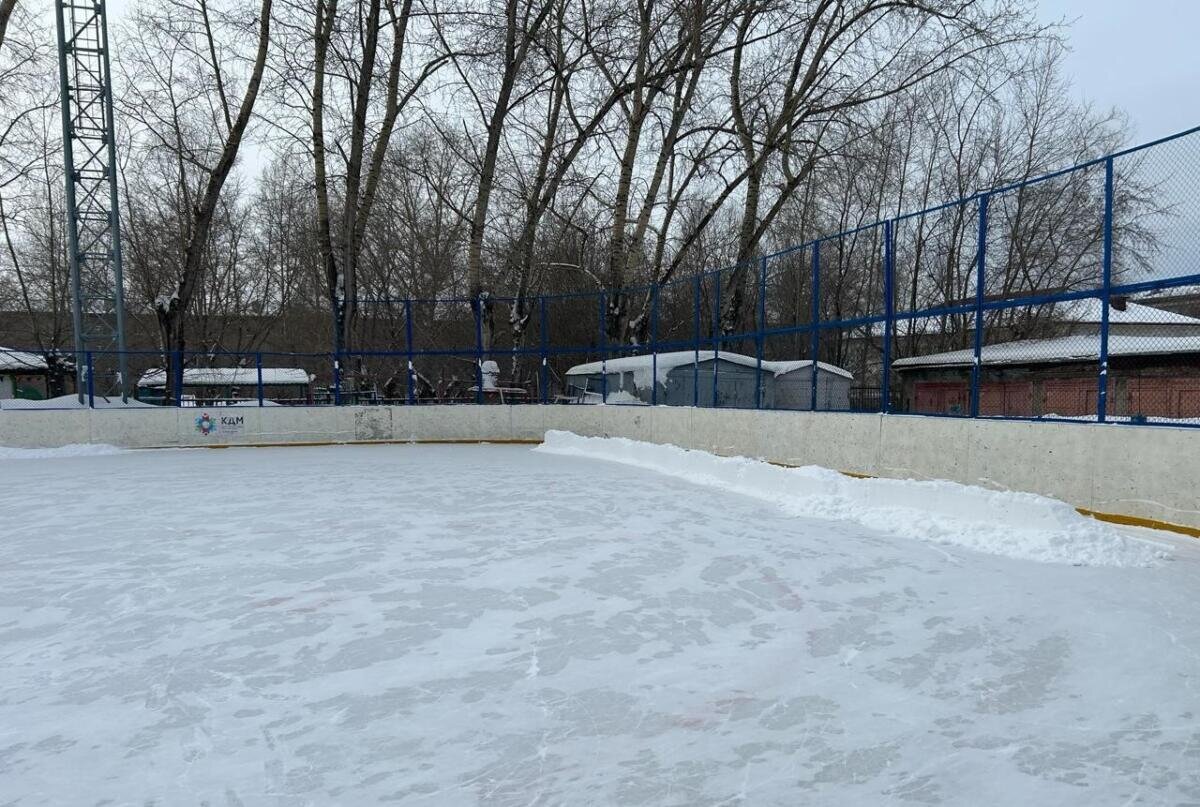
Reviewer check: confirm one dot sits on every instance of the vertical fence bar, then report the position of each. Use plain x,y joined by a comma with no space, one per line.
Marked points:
178,377
91,383
477,307
1106,295
603,342
759,336
816,320
980,285
654,345
889,313
716,330
258,372
410,389
696,339
543,344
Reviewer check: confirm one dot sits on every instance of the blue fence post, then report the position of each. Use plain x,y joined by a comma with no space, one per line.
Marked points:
1106,295
478,308
759,334
410,393
258,372
654,344
716,329
543,344
980,286
178,377
91,383
816,320
889,314
603,342
699,280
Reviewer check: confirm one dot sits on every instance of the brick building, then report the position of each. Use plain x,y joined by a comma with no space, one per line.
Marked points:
1154,369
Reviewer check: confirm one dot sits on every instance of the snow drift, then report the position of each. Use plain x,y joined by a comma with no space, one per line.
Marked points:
73,450
1016,525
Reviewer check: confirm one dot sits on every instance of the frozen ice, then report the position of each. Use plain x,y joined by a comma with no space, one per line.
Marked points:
453,625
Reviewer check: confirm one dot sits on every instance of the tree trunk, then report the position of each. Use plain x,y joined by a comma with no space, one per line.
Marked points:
6,10
172,311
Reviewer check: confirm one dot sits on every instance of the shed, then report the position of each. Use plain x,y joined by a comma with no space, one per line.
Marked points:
214,385
793,385
22,375
690,378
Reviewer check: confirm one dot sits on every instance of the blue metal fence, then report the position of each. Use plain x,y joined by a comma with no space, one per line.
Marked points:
1047,298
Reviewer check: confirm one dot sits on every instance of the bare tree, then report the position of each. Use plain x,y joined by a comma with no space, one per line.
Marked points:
191,121
847,55
490,76
347,69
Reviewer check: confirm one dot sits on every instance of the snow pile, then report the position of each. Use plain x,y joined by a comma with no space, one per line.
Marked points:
73,450
1016,525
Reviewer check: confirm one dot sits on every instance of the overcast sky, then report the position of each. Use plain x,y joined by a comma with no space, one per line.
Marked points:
1138,55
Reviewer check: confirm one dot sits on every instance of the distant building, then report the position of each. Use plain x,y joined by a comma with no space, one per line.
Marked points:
687,378
1181,301
22,375
207,386
1154,370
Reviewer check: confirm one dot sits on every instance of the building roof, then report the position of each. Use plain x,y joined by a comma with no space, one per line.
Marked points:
642,365
18,360
230,377
1058,350
1090,310
780,368
1086,312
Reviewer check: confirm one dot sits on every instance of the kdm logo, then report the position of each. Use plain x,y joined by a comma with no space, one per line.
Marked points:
206,424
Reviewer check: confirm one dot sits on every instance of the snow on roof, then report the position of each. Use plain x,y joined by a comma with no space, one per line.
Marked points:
229,377
784,367
1059,350
1090,310
17,360
641,366
1085,312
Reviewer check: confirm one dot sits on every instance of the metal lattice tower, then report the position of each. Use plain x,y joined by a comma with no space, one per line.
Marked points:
93,218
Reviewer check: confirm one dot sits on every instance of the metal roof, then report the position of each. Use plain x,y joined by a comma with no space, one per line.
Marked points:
229,377
18,360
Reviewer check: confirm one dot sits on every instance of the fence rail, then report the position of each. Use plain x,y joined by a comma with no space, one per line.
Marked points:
1071,296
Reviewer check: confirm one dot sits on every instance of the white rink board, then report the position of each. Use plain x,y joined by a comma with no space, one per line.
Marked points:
1142,471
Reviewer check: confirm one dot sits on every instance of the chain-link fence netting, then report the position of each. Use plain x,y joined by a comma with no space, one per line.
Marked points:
1071,295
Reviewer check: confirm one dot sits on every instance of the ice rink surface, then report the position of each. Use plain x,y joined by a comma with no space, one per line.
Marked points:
452,625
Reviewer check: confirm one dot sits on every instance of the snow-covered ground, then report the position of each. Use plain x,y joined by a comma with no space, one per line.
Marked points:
451,625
